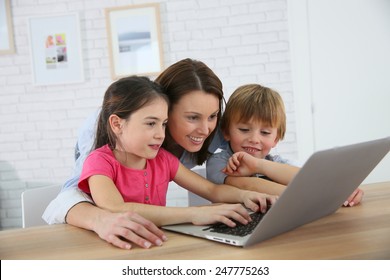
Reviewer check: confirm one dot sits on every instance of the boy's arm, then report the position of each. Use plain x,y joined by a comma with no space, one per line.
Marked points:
256,184
243,164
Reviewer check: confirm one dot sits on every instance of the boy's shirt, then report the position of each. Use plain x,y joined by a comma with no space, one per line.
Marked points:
219,160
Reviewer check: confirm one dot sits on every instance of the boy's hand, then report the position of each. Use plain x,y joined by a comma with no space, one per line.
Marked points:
242,164
355,198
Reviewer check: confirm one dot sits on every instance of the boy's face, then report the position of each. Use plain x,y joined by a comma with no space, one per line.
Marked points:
253,137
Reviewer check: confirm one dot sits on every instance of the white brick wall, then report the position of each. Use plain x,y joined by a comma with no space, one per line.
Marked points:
243,41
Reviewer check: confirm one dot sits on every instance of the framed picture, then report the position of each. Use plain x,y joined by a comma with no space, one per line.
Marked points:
134,40
56,50
6,34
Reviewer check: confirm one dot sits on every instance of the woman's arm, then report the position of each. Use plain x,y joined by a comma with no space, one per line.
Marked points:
118,229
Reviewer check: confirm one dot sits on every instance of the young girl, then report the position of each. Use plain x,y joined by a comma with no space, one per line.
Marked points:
253,123
129,171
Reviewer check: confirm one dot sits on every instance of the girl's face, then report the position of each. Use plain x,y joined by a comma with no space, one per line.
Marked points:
192,119
252,137
142,134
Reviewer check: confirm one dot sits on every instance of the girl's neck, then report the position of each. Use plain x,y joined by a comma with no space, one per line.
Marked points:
129,160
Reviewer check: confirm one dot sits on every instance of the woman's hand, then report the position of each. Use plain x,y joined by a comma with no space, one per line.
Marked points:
355,198
120,229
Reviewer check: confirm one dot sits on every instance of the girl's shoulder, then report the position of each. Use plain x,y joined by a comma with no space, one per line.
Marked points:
164,154
102,152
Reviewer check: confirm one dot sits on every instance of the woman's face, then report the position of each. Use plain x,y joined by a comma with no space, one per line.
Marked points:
192,119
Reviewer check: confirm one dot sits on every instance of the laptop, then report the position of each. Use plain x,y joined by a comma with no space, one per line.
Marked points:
321,186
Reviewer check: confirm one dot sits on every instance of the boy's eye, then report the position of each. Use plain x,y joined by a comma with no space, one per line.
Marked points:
243,129
265,132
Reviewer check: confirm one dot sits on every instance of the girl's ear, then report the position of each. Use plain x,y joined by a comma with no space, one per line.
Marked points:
115,123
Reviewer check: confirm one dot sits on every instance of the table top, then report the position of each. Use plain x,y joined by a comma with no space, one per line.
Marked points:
360,232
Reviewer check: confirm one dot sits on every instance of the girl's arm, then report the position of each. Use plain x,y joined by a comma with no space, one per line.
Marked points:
243,164
221,193
106,195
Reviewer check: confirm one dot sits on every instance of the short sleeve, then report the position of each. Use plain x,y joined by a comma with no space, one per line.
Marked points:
96,163
214,166
172,162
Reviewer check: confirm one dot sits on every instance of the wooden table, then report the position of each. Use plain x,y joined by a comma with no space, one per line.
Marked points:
360,232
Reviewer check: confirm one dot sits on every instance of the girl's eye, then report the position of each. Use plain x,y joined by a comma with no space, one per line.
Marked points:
164,124
151,124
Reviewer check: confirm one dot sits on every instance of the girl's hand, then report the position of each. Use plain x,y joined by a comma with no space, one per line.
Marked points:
228,214
355,198
258,201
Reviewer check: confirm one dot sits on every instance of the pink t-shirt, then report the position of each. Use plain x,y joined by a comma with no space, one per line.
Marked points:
147,186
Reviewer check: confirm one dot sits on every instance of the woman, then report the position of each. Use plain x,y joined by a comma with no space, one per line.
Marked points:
196,96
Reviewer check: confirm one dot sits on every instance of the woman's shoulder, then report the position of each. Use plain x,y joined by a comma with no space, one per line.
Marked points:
218,141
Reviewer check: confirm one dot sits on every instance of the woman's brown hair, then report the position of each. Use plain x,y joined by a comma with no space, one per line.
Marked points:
183,77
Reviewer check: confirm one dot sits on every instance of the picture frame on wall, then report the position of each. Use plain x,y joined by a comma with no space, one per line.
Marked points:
134,40
56,50
6,32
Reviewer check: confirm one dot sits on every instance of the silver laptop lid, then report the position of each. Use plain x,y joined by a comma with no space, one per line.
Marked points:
321,186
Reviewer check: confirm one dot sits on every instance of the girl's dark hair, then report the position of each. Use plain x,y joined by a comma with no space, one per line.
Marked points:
123,98
183,77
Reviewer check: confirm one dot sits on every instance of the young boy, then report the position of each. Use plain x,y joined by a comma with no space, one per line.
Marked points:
253,123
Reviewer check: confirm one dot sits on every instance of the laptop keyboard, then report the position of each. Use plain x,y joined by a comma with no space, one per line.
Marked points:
239,229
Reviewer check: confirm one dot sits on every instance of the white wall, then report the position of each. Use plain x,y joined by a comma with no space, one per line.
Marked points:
243,41
341,66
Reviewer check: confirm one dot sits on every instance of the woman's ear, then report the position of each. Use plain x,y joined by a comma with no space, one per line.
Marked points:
115,123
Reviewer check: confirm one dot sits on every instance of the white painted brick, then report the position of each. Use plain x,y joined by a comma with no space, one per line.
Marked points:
226,41
277,66
238,51
243,41
247,19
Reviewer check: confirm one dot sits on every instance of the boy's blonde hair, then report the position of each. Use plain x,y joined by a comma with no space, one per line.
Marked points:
254,102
